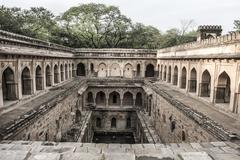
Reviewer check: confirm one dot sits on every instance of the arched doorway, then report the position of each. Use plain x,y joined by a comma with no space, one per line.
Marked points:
113,123
56,73
115,70
62,72
175,76
169,74
149,71
89,97
73,71
78,116
98,123
26,82
128,99
114,99
48,76
161,71
69,71
165,73
128,71
184,78
223,90
138,70
81,70
38,78
92,68
101,99
139,99
8,85
193,81
205,85
66,71
128,124
102,70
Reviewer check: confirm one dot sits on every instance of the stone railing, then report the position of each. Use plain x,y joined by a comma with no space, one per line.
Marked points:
232,37
20,40
116,52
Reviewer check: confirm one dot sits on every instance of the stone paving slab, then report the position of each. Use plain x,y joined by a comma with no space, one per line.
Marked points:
29,150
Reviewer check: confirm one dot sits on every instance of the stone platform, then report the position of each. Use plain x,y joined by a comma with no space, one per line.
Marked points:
28,150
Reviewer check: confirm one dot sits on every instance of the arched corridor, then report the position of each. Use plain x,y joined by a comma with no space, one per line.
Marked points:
149,71
128,71
193,81
56,74
114,99
38,78
62,72
139,99
48,76
26,82
101,99
165,73
89,97
175,76
184,78
205,85
169,74
128,99
66,71
8,85
223,90
81,70
138,70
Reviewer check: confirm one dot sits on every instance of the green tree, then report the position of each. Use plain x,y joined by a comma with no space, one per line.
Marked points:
96,25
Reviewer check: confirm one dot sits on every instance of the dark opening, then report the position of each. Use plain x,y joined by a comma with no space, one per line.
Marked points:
193,81
81,69
223,91
138,70
8,85
113,123
184,78
110,137
26,82
56,78
101,99
175,76
62,72
205,85
48,76
149,71
128,122
139,99
38,77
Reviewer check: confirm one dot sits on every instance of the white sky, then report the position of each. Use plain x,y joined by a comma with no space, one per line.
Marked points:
163,14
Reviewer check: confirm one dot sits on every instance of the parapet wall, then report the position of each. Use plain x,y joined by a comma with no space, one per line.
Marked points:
227,46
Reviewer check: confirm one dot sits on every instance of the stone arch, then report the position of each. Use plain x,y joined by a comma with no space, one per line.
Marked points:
175,76
48,76
101,99
56,74
138,70
81,69
115,70
165,73
66,71
223,90
128,99
138,102
169,74
184,78
8,85
193,81
113,122
149,70
205,85
114,99
89,97
98,122
62,72
26,81
102,70
38,78
128,71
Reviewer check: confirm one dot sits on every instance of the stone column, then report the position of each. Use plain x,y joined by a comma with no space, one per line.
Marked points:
1,96
18,79
52,73
33,68
134,102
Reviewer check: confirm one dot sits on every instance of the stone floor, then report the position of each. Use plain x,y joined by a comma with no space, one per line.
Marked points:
228,122
20,150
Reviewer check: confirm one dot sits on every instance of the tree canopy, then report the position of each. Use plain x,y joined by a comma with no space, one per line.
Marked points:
91,26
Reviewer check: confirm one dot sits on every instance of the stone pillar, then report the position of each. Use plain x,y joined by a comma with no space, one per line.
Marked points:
52,73
107,105
121,102
1,96
18,79
33,68
134,102
44,75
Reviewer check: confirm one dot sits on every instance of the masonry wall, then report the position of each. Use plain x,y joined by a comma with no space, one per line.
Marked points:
164,115
52,125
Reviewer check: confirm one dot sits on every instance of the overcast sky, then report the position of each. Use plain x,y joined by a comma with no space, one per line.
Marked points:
163,14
